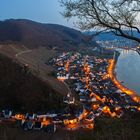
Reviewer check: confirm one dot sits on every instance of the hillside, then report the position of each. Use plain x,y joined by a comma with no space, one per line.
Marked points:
33,43
17,84
33,34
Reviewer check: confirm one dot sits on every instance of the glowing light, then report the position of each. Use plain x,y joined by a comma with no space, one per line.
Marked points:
62,78
67,66
95,106
45,122
129,92
19,116
106,110
97,97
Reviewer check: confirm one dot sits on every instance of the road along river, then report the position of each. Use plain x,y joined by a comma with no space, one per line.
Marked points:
128,69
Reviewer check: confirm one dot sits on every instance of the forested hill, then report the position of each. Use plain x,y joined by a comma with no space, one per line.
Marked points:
34,34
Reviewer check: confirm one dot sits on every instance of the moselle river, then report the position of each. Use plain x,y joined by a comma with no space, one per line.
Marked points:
128,69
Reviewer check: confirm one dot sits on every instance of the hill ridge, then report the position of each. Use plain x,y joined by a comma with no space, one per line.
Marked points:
34,34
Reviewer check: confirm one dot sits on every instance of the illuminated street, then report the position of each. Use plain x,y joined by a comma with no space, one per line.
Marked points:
131,93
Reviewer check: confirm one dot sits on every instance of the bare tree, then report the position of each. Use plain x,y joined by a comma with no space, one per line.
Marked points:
117,16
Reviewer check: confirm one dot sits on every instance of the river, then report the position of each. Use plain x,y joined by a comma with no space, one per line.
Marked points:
128,69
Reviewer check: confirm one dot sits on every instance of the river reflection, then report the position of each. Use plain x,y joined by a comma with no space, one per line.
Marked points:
128,69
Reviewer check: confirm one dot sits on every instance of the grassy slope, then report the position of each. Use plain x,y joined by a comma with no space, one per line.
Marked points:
23,91
36,59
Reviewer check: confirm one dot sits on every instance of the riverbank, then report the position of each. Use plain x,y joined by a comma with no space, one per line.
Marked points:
116,57
138,51
127,69
112,75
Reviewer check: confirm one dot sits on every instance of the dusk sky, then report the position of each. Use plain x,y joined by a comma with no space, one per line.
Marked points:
46,11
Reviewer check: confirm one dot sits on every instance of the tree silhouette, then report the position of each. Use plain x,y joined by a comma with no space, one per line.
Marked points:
117,16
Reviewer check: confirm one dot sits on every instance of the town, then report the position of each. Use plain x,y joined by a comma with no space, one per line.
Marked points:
91,84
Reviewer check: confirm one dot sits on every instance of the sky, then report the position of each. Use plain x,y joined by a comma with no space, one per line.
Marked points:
44,11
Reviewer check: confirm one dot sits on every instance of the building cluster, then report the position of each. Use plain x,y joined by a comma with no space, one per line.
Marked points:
28,121
91,81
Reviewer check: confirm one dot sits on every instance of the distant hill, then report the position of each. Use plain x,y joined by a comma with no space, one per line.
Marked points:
34,34
109,36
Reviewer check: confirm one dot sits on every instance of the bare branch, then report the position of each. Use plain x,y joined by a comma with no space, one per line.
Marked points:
114,15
